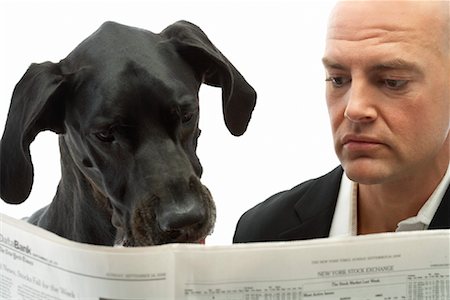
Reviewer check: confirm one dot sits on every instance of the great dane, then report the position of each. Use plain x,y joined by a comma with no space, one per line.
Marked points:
125,105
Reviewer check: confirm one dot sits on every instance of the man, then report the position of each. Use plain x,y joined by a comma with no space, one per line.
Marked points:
387,65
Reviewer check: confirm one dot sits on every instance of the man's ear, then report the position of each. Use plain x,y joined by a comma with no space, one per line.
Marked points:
238,97
36,105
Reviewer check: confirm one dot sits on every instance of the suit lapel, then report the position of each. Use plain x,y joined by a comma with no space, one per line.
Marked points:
441,219
315,208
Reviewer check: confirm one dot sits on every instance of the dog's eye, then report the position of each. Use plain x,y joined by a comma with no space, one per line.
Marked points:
186,117
105,136
183,114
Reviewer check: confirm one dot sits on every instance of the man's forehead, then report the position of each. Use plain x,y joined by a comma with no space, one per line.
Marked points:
423,24
388,15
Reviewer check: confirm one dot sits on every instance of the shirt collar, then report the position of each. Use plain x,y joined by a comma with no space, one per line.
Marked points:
426,213
344,221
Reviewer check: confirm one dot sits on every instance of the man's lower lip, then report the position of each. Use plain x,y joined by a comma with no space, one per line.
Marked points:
361,146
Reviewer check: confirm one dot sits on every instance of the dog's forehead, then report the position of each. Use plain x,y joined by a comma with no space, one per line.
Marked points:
133,93
127,68
113,38
115,49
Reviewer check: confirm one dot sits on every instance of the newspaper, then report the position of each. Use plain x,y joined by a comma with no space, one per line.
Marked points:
36,264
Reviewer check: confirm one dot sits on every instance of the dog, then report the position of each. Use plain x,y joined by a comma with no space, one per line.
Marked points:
125,105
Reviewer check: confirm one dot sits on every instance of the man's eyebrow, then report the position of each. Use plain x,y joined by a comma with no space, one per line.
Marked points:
328,63
397,64
393,64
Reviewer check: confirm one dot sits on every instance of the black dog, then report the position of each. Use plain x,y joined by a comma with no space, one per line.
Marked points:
125,106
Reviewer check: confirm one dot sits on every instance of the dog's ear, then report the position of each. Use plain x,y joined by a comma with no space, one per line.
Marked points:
34,108
238,97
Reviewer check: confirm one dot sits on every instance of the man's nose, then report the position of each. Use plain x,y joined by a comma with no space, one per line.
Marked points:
361,102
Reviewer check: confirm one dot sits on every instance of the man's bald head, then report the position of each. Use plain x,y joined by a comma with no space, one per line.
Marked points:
430,19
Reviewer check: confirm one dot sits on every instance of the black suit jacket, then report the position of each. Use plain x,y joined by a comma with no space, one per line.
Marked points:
306,212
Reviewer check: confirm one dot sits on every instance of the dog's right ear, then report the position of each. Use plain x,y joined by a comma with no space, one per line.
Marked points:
35,106
238,97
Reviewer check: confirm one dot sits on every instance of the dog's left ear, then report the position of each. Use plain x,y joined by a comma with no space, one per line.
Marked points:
238,97
34,108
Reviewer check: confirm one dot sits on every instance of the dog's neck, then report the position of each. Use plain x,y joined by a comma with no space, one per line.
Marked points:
78,211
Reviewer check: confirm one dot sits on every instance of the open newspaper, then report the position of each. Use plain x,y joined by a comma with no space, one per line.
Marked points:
36,264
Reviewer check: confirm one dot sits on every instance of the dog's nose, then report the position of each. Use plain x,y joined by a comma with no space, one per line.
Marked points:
180,217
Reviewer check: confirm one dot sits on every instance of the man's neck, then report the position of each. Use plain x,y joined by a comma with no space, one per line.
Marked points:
381,207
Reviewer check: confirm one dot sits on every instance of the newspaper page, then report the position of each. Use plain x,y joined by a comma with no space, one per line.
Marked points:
36,264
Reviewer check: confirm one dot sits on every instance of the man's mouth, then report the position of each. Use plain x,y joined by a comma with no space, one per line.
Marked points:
357,143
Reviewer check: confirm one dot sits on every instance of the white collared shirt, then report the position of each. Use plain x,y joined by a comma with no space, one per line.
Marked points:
345,215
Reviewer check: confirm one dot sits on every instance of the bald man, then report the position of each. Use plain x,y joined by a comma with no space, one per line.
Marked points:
387,71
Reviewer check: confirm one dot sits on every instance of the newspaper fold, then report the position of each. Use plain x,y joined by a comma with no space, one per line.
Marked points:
36,264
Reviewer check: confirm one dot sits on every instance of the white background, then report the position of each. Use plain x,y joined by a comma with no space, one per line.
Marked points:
277,45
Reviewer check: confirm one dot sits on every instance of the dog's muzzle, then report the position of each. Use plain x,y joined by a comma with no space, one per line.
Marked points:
187,218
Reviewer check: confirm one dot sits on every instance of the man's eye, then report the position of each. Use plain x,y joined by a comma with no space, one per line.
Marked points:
394,84
338,81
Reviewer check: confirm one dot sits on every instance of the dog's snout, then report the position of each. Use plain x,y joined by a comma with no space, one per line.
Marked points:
177,218
179,211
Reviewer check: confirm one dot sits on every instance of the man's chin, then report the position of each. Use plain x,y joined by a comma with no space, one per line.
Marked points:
364,172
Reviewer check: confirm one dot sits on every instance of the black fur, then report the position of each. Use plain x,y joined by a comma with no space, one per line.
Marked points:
125,106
